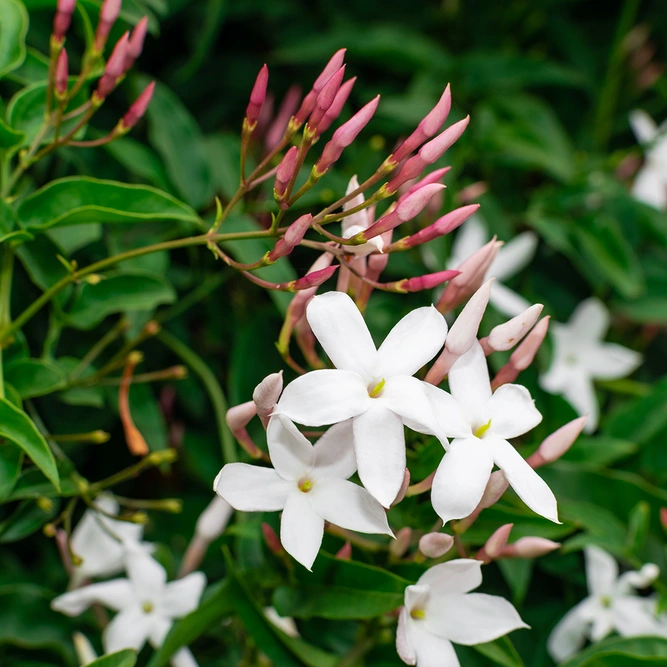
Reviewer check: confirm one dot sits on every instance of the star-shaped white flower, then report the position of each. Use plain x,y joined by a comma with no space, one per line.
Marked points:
580,356
355,223
309,483
612,605
145,603
102,542
650,185
513,257
440,610
482,422
374,387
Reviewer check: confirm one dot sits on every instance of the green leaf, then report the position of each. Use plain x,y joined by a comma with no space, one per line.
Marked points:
341,589
34,68
28,518
175,135
635,651
501,651
11,460
639,526
15,425
140,160
9,138
76,200
118,293
13,29
92,397
600,450
126,658
35,377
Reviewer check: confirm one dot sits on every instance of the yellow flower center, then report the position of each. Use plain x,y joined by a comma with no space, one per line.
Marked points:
377,389
479,433
305,485
418,614
148,607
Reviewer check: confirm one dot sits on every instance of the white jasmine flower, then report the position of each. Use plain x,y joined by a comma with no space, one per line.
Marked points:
374,387
650,185
612,605
482,422
580,356
309,483
284,623
102,542
512,258
145,603
355,223
440,610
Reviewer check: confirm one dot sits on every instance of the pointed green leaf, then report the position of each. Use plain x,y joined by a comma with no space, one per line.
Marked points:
126,658
13,29
35,377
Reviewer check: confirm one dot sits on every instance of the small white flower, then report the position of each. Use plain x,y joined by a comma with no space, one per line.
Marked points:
355,223
102,542
145,603
309,483
482,422
373,386
650,185
440,610
580,356
284,623
612,605
513,257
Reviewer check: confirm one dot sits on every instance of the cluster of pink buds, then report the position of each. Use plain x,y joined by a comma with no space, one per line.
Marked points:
497,546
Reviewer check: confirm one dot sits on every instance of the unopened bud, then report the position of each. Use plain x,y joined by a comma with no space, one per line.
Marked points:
309,100
257,96
463,333
49,530
214,519
427,281
404,488
313,279
94,279
345,552
325,99
434,545
496,543
115,68
496,486
61,74
433,177
108,15
293,236
135,44
162,456
400,545
271,539
335,109
45,504
85,652
285,172
506,336
138,517
62,19
99,437
556,444
276,130
137,110
530,547
266,395
523,356
76,560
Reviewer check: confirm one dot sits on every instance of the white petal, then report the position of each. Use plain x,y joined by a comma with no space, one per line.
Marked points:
643,126
432,651
379,444
324,397
413,342
146,575
340,328
513,257
450,419
512,411
601,571
301,529
469,382
635,616
602,624
589,321
529,486
404,646
407,397
182,596
183,658
251,488
650,187
113,595
569,635
349,506
334,452
416,597
159,629
128,629
471,618
557,378
470,238
360,218
507,301
291,453
580,394
609,361
461,478
455,576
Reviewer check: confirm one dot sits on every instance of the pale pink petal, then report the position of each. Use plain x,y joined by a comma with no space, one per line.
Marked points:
252,488
609,361
568,637
512,411
413,342
404,646
324,397
113,595
470,238
182,596
379,444
506,301
461,575
513,257
340,328
291,453
601,571
301,529
128,629
469,382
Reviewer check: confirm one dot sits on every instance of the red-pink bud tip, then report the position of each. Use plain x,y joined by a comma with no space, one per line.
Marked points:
335,109
285,171
271,539
258,95
115,66
61,74
326,98
314,279
66,6
345,552
428,281
138,108
135,44
110,10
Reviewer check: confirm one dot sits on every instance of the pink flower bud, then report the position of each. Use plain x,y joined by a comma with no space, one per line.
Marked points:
434,545
214,519
444,225
115,67
326,98
335,109
108,15
237,418
61,74
314,279
530,547
308,103
345,135
433,177
407,209
404,488
523,356
266,395
257,96
400,545
430,124
271,539
463,332
293,236
138,108
506,336
135,44
66,6
663,517
556,444
285,172
428,281
345,552
63,18
495,544
277,128
496,486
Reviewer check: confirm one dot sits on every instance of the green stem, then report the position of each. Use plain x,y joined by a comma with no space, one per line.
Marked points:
207,286
217,396
5,295
92,354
